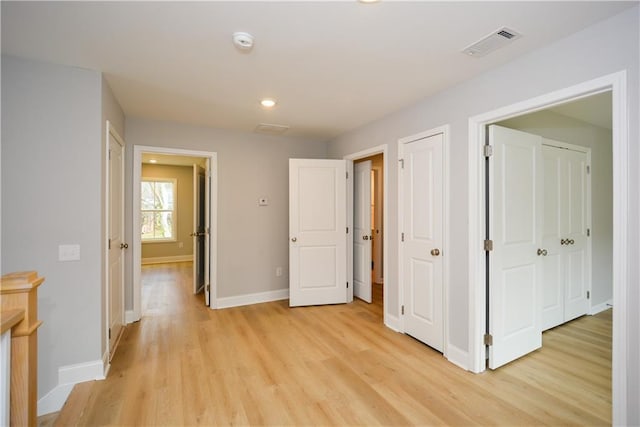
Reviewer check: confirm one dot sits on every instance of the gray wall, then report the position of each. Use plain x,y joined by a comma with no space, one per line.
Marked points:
51,181
252,240
604,48
184,211
561,128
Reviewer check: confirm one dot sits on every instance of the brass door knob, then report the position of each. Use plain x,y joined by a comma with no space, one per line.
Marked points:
124,246
542,252
293,239
435,252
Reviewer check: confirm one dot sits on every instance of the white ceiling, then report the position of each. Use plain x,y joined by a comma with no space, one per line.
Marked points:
332,65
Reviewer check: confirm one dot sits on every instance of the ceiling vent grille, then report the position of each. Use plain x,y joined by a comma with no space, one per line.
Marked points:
270,129
497,39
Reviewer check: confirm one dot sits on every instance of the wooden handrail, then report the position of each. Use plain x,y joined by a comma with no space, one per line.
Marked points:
19,291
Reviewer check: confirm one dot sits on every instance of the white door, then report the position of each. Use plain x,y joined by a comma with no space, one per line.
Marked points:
116,244
422,250
362,231
574,231
207,233
515,226
317,232
199,231
553,271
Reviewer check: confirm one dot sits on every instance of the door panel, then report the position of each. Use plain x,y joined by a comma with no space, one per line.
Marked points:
116,241
198,234
362,231
317,227
515,218
423,204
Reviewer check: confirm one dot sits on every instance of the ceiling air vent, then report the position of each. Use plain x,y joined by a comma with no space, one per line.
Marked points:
269,129
497,39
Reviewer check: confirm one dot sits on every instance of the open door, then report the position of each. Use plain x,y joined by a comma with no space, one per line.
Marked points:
207,233
362,236
199,230
515,227
317,232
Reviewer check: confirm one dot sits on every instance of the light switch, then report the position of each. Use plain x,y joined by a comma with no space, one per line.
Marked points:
68,252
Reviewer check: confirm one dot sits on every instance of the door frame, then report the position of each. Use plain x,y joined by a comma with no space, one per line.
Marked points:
448,351
213,213
617,84
111,131
388,319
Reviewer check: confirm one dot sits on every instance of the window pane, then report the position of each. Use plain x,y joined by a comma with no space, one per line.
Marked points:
163,225
147,225
164,195
147,197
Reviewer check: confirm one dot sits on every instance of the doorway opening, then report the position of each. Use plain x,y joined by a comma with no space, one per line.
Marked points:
174,221
480,268
375,182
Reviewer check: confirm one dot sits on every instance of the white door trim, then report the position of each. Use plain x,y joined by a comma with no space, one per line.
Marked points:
110,130
213,232
389,319
444,130
617,84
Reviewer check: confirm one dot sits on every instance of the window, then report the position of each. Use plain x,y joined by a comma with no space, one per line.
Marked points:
158,209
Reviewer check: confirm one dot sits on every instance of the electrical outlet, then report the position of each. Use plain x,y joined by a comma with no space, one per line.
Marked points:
181,245
279,272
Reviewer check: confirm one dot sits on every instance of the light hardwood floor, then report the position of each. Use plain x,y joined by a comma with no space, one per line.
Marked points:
268,364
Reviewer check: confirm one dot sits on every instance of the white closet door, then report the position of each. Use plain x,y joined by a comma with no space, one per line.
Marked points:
362,231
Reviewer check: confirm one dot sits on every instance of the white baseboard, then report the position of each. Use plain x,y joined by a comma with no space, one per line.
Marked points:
457,356
248,299
68,376
130,317
165,259
601,307
392,322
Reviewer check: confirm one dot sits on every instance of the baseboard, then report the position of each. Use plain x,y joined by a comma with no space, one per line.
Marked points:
457,356
68,376
392,322
601,307
165,259
248,299
130,317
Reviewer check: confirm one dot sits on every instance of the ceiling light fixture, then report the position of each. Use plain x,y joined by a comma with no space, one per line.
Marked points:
242,40
368,1
268,103
153,161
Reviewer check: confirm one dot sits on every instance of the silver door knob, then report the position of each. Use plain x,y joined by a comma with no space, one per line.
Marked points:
293,239
571,241
435,252
124,246
542,252
564,241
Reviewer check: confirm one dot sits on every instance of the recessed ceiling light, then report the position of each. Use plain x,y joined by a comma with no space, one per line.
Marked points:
153,161
368,1
268,103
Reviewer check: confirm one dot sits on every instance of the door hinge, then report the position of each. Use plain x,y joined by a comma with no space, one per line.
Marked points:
347,175
588,232
402,310
109,333
488,339
208,287
402,237
488,245
109,154
109,243
487,150
588,294
401,163
347,230
588,169
347,285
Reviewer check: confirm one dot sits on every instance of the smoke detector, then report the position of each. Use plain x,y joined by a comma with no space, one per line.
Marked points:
497,39
242,40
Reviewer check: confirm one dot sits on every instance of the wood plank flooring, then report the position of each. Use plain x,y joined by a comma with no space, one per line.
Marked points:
268,364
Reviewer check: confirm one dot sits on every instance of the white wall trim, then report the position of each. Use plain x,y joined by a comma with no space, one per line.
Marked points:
68,376
213,219
165,259
617,84
388,318
392,322
457,356
445,131
129,317
256,298
601,307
